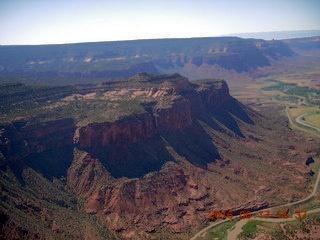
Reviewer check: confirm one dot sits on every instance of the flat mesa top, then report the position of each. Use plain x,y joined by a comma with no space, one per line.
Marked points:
104,102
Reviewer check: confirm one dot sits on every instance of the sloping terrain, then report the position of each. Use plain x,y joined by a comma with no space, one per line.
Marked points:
148,156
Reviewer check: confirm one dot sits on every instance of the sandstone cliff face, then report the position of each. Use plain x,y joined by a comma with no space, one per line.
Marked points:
127,130
175,117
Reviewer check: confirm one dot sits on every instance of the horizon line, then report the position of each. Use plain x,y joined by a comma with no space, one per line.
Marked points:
230,35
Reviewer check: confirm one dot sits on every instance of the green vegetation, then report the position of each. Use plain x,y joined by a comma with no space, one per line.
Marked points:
281,86
249,228
51,81
302,227
294,112
104,102
294,93
299,110
313,119
221,231
98,103
284,90
213,83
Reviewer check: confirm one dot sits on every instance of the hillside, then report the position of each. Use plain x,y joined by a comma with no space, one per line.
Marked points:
145,157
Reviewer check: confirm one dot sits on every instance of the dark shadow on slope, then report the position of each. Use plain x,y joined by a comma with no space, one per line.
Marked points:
227,120
226,116
135,159
17,169
51,163
211,122
194,144
239,110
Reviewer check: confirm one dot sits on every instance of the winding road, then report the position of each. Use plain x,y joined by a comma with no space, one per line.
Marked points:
241,222
232,235
302,123
237,229
298,120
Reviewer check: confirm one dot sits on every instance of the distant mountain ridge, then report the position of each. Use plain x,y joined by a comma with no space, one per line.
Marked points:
193,57
279,35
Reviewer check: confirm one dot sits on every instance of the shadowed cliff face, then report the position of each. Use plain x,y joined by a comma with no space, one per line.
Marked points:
46,147
136,145
172,106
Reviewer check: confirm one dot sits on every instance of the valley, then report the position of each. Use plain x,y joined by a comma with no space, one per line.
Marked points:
101,144
260,95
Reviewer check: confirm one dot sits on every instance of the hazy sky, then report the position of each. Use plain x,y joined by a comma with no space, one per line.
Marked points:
63,21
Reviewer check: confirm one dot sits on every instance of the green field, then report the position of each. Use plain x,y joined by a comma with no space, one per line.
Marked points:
297,111
313,119
249,228
221,231
287,230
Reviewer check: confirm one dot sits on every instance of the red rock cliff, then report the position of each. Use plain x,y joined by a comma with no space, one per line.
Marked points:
127,130
177,116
